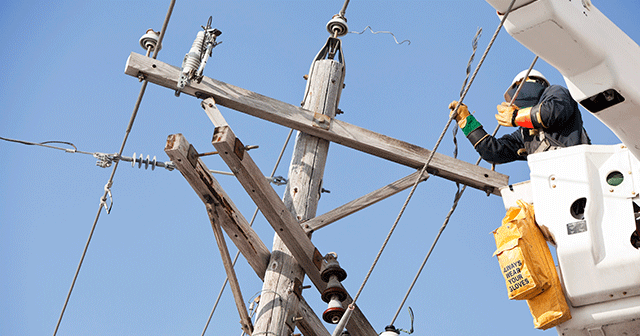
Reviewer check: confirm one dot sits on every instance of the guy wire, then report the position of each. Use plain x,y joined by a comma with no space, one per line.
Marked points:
115,166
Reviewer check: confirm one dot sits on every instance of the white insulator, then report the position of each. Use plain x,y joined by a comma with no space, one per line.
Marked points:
338,25
192,58
335,303
133,162
150,39
334,312
191,61
146,162
389,333
153,163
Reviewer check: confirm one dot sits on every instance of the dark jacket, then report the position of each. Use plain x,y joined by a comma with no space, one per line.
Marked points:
557,123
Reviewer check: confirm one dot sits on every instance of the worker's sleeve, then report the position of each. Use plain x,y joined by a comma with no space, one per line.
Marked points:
497,150
554,110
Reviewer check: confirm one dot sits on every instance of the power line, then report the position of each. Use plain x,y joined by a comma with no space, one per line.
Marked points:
44,144
106,160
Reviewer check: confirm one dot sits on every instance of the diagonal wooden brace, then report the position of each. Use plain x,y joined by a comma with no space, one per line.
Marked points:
362,202
184,156
270,204
245,320
186,159
282,221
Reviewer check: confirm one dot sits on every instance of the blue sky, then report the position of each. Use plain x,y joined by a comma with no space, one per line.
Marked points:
153,267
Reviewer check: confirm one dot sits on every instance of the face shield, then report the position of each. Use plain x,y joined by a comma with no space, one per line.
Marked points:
529,95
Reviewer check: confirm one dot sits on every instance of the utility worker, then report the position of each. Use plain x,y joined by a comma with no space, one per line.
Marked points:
546,116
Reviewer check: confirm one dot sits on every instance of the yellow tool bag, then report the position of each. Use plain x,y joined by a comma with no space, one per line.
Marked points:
528,267
520,246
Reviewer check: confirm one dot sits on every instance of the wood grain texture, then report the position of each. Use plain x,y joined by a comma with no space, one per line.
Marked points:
211,193
269,203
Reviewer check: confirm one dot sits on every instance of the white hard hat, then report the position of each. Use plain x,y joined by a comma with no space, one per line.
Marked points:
519,77
533,74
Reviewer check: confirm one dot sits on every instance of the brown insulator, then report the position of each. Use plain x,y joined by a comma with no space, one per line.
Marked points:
332,267
334,288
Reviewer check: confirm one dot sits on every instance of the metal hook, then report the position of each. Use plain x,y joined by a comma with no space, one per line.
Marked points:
208,23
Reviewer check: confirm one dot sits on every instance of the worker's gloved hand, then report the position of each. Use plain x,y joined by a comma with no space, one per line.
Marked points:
461,116
507,114
468,123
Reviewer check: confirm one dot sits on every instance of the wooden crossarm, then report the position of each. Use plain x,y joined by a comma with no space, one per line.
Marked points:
303,120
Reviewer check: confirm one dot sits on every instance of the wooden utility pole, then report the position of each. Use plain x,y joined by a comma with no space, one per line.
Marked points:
279,299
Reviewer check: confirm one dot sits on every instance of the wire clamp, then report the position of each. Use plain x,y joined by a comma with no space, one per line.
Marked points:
103,200
104,160
278,180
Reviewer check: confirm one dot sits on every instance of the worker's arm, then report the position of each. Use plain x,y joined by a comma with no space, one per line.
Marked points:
499,150
502,150
555,109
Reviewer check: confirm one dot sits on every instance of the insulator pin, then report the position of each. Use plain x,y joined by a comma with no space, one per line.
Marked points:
148,162
334,294
195,60
191,61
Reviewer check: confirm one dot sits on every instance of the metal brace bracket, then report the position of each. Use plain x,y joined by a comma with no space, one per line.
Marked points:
297,287
192,155
238,149
317,259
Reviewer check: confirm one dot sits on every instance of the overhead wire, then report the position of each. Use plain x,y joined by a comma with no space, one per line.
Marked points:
44,144
459,192
474,45
255,213
344,8
115,166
